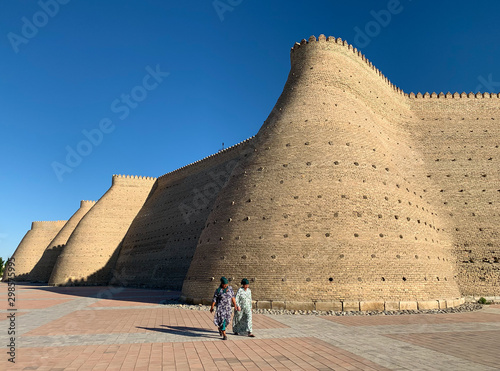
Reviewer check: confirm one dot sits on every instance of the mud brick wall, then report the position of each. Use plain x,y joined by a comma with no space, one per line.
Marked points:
160,243
90,253
352,195
459,136
43,269
33,245
328,207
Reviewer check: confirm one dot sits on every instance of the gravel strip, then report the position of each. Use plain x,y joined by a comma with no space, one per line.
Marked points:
467,307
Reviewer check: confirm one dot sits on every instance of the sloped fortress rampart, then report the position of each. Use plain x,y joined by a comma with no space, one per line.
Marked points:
91,251
165,232
331,211
352,195
33,245
42,270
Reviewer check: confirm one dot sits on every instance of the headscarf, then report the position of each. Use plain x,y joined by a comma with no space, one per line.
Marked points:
223,281
244,281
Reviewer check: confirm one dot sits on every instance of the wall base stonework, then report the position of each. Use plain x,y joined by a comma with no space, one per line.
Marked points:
344,306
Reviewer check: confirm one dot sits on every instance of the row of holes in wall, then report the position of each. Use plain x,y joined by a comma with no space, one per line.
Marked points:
373,166
336,215
468,159
348,144
331,279
356,235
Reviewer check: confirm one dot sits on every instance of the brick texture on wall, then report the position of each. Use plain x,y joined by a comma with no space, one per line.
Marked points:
32,247
43,268
353,195
90,253
159,246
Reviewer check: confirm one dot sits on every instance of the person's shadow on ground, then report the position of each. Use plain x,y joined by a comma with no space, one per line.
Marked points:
184,331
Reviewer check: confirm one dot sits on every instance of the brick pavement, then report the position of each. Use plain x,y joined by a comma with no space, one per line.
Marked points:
102,328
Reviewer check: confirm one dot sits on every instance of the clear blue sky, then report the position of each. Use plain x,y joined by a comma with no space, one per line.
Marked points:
226,69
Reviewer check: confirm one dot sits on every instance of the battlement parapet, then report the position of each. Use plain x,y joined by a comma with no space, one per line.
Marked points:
86,202
133,180
455,95
312,41
224,151
133,177
331,39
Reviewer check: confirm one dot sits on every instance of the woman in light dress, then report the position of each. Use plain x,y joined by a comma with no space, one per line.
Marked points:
242,321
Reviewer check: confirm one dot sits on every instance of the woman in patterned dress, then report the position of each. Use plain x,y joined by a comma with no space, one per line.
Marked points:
223,297
242,321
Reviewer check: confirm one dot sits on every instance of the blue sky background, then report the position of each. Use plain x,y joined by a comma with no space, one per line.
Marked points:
225,74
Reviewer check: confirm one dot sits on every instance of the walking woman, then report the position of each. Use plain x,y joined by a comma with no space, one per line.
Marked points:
242,321
223,297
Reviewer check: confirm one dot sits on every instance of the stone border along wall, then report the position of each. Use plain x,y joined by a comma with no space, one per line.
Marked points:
42,270
91,251
346,306
32,246
164,234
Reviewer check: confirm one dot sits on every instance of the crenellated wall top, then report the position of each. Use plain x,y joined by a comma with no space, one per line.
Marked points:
134,177
225,150
331,39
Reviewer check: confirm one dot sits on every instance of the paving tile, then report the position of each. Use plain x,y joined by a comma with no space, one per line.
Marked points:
480,347
109,328
415,319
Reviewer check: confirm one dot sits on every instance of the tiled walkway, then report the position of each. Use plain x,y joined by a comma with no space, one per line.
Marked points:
101,328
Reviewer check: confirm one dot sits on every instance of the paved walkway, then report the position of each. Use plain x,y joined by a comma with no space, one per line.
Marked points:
106,328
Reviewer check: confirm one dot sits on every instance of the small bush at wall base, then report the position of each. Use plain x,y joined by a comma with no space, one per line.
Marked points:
483,301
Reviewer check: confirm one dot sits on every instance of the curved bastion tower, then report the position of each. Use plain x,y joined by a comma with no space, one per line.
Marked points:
91,251
32,247
328,211
42,270
353,195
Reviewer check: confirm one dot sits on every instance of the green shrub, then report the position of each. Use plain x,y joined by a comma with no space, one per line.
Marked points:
483,301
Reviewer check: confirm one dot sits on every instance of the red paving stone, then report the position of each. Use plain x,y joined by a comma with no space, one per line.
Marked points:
415,319
139,320
128,302
251,354
281,353
477,346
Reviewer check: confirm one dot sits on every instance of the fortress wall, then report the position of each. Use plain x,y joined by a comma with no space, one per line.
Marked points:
91,251
325,209
459,136
158,248
42,270
33,245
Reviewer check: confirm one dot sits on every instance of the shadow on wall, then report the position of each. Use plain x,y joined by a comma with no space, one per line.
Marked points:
100,277
42,270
